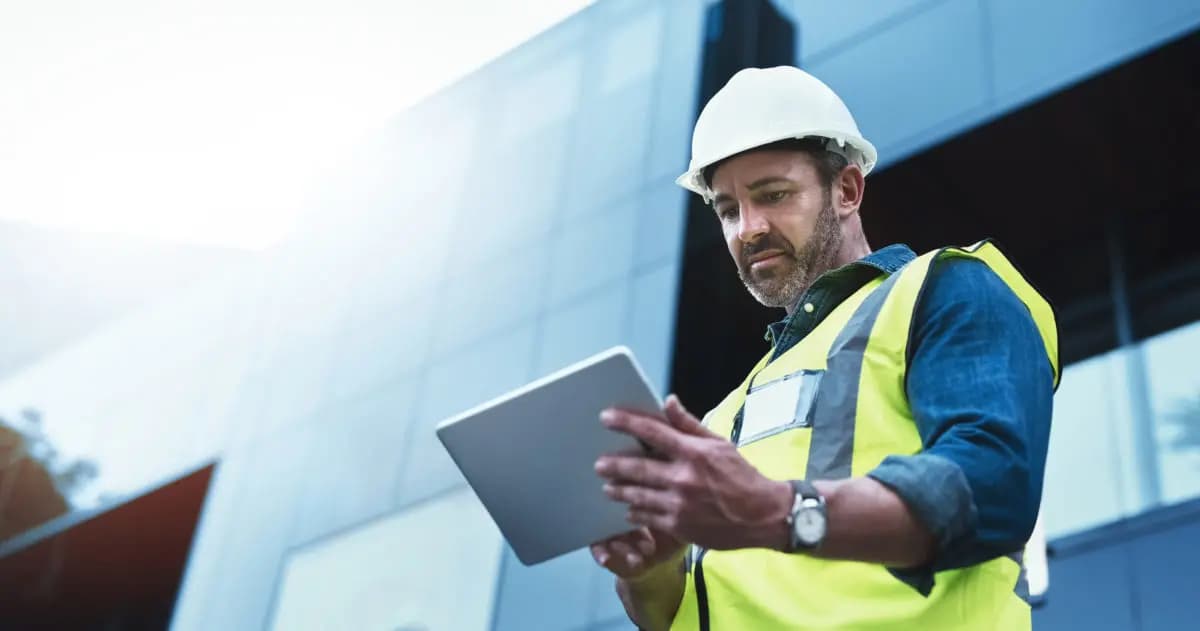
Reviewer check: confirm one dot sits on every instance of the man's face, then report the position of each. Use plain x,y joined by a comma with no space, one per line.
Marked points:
779,222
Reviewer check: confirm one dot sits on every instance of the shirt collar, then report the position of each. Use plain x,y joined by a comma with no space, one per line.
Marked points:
889,259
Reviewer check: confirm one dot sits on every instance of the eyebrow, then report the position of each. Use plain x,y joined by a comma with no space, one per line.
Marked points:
755,185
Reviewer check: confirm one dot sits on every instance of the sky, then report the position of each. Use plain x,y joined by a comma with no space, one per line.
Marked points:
208,121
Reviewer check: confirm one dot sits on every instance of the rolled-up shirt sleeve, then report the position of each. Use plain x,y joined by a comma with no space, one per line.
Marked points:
980,387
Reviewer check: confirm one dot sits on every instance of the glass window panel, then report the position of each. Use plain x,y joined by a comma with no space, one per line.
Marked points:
592,252
155,436
252,513
436,151
492,295
1174,385
513,200
402,256
1090,473
930,58
540,96
352,464
1087,592
1164,576
295,383
430,567
661,224
383,347
619,624
610,153
453,384
552,596
630,51
309,296
822,25
1032,56
652,322
583,328
676,89
605,605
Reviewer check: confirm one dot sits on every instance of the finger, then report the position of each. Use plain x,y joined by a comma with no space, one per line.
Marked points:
654,521
600,554
659,435
637,471
632,451
644,542
640,540
642,498
683,420
619,546
624,551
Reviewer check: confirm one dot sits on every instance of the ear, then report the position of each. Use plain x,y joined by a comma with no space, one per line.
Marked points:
848,190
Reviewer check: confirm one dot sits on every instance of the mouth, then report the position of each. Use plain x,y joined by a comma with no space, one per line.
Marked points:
765,258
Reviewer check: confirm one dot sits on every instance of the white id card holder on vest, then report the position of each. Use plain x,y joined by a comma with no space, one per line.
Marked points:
779,405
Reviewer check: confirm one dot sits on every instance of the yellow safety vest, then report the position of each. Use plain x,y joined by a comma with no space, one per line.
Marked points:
856,361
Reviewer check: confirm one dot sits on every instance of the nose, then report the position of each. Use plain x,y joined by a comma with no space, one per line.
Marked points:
752,224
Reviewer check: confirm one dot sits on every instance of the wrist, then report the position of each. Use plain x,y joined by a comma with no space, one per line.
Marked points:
774,532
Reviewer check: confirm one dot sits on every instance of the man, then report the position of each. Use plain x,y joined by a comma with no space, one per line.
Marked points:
881,466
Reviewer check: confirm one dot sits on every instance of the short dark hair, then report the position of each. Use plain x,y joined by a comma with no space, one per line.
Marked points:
829,163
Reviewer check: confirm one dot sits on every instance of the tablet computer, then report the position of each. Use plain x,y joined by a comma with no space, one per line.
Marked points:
529,454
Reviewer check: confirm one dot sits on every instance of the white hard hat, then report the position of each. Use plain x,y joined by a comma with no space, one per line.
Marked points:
760,106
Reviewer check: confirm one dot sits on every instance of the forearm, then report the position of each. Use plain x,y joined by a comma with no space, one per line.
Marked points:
868,522
652,599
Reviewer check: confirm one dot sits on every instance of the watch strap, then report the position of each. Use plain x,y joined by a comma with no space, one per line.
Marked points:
806,490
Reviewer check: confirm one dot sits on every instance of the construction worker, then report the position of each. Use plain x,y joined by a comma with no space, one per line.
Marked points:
881,467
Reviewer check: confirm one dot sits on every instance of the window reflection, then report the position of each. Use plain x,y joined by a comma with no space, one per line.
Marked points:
1090,472
37,483
1175,401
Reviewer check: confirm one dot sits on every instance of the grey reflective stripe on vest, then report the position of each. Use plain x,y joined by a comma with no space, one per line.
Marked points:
832,444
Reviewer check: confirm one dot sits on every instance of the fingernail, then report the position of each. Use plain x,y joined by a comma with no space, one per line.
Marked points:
632,559
608,488
602,465
603,558
607,416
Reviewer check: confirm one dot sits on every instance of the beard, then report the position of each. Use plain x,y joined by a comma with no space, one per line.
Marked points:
783,284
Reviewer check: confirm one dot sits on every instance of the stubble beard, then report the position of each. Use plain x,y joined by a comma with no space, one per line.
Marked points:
783,285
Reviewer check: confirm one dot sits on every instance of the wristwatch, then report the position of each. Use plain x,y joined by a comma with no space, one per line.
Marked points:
807,521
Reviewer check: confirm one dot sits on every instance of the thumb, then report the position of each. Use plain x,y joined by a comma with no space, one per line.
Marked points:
682,420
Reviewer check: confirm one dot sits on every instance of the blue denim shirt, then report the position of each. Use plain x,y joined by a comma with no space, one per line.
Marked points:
980,388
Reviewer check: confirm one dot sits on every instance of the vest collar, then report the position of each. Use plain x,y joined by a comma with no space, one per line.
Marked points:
849,278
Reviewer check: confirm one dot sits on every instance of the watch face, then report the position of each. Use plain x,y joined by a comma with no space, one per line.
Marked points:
810,526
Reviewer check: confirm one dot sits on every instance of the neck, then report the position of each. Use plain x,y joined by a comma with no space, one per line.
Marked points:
853,247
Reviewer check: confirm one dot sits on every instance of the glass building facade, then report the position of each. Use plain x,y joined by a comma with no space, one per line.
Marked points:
518,221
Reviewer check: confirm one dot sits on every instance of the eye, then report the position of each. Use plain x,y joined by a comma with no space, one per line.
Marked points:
727,213
776,196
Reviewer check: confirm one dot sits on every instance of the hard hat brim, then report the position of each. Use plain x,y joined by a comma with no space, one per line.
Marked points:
693,178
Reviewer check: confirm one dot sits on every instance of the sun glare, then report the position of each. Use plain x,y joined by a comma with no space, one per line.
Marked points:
209,122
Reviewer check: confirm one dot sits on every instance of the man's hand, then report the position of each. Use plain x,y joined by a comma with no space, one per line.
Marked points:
633,554
698,488
650,574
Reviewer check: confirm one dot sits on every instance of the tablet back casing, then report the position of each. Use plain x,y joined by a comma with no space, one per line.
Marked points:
529,455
